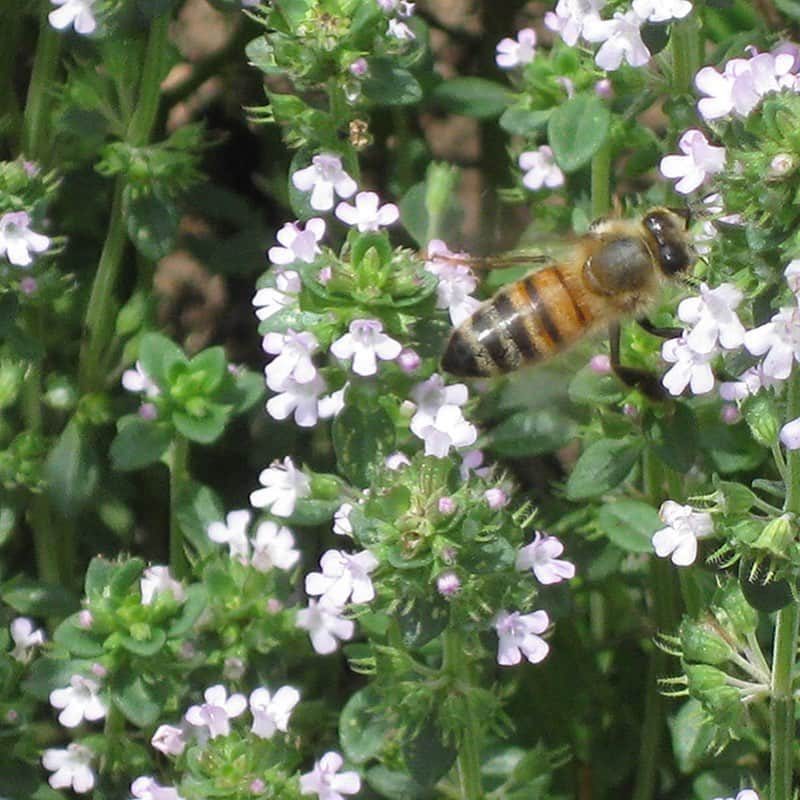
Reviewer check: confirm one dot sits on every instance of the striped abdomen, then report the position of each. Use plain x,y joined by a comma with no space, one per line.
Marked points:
525,322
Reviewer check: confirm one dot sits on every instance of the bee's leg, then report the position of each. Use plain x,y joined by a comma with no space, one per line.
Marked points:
664,333
640,379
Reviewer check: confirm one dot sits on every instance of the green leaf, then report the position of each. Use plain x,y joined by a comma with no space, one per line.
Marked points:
362,438
789,7
124,574
422,622
589,388
629,524
472,97
197,506
730,447
529,433
308,511
152,224
674,437
602,466
147,641
140,702
71,470
577,129
692,736
523,122
395,785
157,355
139,443
203,429
363,728
386,84
36,598
79,641
98,576
427,757
209,367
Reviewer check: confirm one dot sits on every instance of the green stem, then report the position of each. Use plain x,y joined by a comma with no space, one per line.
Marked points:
9,106
99,313
178,476
469,762
601,180
36,133
784,652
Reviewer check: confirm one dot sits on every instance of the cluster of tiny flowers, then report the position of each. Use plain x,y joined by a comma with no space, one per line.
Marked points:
620,36
713,327
456,282
272,546
75,13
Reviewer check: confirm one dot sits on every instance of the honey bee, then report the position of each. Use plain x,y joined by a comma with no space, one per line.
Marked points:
614,271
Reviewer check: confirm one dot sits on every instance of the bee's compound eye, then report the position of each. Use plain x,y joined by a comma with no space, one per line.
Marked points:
673,259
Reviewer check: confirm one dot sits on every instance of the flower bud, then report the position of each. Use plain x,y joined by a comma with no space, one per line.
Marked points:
732,610
448,584
781,165
703,679
701,642
777,536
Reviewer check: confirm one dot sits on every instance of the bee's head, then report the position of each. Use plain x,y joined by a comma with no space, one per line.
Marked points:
668,227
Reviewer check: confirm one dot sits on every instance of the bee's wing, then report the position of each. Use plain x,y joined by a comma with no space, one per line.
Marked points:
486,263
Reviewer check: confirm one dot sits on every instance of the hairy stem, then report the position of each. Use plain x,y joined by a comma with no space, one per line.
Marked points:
178,475
35,131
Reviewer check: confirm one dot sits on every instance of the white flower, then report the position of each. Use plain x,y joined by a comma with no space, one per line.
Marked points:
691,368
745,794
324,177
344,577
273,546
792,275
216,713
302,399
447,429
540,169
298,243
17,240
330,405
25,638
366,213
327,782
713,318
780,340
518,636
399,30
232,532
341,520
750,382
270,713
456,283
283,485
71,768
137,380
77,13
472,461
79,701
684,527
433,394
169,740
157,581
662,10
622,39
541,556
325,626
270,300
147,788
571,16
517,52
364,343
293,353
700,160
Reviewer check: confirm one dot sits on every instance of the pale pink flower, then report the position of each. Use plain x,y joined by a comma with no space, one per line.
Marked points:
217,711
713,318
71,768
341,520
780,340
790,434
270,300
282,485
325,625
137,380
447,429
684,527
293,358
344,577
792,275
622,40
232,532
271,713
79,701
324,177
662,10
518,636
571,17
690,368
156,581
448,584
298,243
700,160
147,788
169,739
750,382
326,780
540,169
301,399
367,214
399,30
365,342
273,547
18,241
516,52
541,557
77,13
25,636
